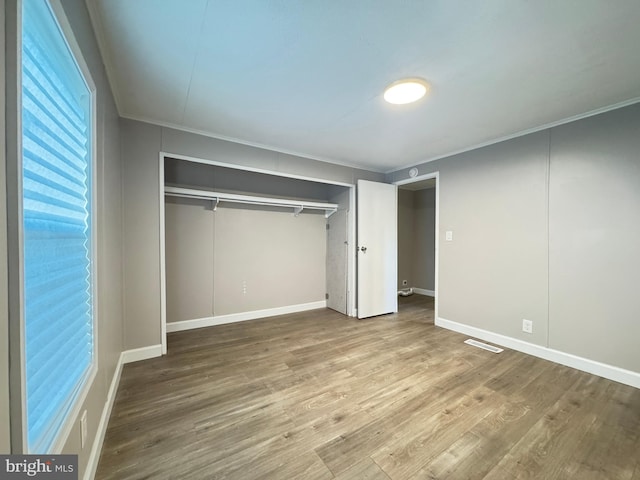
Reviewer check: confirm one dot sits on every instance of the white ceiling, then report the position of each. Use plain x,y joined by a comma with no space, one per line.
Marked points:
307,77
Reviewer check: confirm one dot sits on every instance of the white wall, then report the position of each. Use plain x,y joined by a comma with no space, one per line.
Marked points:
546,227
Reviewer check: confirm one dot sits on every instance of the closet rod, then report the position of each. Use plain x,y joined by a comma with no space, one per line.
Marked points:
297,205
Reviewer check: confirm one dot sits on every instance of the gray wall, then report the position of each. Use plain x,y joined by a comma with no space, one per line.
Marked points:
416,238
189,227
240,259
141,144
594,238
5,439
424,249
405,237
223,179
279,258
546,227
109,235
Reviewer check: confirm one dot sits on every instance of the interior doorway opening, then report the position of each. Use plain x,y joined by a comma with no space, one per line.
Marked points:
418,242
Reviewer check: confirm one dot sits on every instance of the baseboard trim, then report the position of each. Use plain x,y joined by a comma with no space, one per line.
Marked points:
144,353
610,372
98,441
422,291
128,356
243,316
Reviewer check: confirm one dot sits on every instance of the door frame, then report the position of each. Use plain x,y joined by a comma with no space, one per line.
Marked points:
351,229
419,178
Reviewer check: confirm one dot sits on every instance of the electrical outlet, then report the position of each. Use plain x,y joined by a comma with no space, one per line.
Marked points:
449,235
527,325
83,429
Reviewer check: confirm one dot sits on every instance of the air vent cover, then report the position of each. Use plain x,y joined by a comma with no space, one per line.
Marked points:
484,346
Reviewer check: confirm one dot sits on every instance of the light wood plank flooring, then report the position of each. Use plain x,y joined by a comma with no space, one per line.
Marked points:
317,395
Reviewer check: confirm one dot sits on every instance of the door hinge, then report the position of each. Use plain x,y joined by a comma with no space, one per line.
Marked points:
326,296
328,226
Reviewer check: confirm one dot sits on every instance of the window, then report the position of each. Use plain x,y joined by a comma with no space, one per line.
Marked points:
57,166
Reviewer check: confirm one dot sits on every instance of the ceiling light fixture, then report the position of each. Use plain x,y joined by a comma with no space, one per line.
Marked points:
405,91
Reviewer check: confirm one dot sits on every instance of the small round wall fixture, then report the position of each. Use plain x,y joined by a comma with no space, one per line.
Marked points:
413,173
405,91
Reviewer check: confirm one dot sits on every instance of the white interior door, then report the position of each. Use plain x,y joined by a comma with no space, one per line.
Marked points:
377,248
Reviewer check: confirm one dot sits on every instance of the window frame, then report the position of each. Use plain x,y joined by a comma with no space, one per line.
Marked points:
80,396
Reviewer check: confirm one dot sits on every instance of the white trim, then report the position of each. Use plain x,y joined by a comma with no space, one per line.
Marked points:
422,291
23,360
351,255
73,45
163,266
243,316
245,168
611,372
98,441
521,133
271,148
142,353
76,53
419,178
436,301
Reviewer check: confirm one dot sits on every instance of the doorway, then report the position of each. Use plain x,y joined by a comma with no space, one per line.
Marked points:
418,243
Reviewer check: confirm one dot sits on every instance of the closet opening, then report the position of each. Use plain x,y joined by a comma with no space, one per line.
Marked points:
242,244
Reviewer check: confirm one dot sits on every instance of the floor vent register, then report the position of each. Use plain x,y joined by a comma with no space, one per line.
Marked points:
484,346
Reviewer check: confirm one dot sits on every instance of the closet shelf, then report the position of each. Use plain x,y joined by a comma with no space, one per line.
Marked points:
297,205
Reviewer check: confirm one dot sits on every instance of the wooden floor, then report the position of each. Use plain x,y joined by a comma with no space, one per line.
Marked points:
318,395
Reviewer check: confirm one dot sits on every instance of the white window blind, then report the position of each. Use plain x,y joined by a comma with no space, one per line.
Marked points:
56,209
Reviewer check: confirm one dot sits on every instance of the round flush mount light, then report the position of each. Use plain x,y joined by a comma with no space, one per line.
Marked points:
406,91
